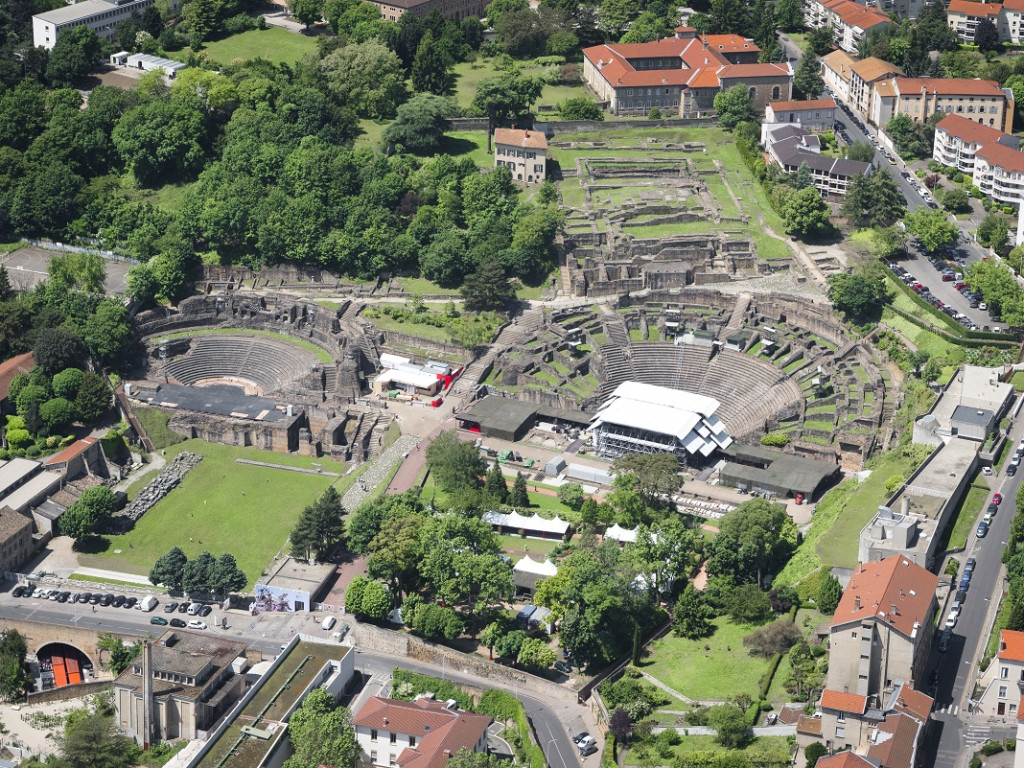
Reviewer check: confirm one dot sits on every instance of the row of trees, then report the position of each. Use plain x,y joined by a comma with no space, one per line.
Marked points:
203,574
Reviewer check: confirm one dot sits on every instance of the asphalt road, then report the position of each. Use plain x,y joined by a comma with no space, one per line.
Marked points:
268,636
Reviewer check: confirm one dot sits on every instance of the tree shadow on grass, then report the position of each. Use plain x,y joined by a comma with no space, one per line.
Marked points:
92,545
452,145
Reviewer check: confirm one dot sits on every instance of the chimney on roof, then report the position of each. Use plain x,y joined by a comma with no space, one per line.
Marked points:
385,721
895,611
1002,645
856,602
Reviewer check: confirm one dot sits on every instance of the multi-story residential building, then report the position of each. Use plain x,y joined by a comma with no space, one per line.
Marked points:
864,74
963,17
982,101
849,21
1003,681
416,734
1011,22
525,153
681,75
957,141
814,115
101,16
392,10
881,631
999,173
836,71
789,146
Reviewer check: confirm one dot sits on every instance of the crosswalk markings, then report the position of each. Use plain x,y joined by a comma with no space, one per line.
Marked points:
948,709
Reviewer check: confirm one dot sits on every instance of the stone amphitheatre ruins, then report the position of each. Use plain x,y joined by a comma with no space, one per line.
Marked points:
691,310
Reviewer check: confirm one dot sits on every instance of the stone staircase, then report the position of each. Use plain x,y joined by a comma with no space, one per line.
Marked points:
739,312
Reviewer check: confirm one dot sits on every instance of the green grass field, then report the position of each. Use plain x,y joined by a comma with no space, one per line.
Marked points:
763,750
274,44
844,511
155,421
972,505
221,506
719,673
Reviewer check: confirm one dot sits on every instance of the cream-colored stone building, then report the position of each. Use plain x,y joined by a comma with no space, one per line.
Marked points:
524,153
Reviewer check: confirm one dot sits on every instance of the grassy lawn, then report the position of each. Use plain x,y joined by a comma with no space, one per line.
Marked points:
11,247
274,44
114,582
372,132
419,330
154,421
420,286
764,750
321,354
537,548
469,74
972,504
924,340
719,673
472,143
1018,381
210,511
844,511
167,198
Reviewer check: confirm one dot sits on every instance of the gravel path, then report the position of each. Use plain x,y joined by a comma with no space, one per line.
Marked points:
379,471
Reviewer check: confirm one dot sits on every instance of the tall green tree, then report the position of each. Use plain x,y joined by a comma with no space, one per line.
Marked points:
76,51
488,288
790,17
734,106
454,463
691,617
755,540
169,569
807,82
805,214
320,527
505,98
119,655
199,574
321,733
83,518
367,77
91,741
227,576
431,68
495,485
307,12
419,124
519,496
829,594
932,228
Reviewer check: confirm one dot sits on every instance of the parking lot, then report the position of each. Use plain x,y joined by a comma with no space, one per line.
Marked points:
940,282
191,613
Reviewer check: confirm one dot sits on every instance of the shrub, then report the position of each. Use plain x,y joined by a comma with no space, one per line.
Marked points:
406,686
991,748
241,22
776,439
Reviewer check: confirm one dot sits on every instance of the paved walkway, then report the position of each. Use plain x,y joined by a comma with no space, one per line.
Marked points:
101,573
412,466
379,471
671,691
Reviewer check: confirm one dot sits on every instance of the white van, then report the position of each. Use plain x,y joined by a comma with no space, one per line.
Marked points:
148,603
328,624
194,608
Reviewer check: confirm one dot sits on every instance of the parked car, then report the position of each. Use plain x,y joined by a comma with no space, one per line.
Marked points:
997,498
29,589
588,750
118,601
204,610
1011,470
580,737
176,622
85,597
944,640
992,509
562,667
170,607
106,600
987,470
129,602
197,624
159,620
982,530
951,620
63,597
183,608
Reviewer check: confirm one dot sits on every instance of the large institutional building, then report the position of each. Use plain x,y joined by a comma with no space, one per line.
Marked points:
682,75
101,16
392,10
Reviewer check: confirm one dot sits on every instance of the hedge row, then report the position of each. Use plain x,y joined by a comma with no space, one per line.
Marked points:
964,336
503,706
986,341
406,686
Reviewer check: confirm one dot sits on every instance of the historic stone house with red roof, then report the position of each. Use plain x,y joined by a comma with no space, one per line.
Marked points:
682,75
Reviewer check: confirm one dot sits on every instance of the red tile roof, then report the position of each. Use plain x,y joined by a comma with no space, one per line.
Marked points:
1014,5
1011,645
620,73
11,368
1002,156
518,138
440,732
808,725
77,447
914,703
969,8
894,590
844,702
941,86
705,77
844,759
799,106
873,68
730,43
896,742
969,130
855,15
744,71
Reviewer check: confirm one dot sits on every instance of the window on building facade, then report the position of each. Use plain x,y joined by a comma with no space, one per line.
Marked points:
1002,691
840,732
373,735
412,741
1004,673
394,738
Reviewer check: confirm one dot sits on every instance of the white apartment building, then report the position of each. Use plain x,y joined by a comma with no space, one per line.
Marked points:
963,17
101,16
999,173
1002,680
957,141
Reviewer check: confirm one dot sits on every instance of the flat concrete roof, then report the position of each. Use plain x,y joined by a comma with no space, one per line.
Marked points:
293,574
43,483
14,472
937,481
980,417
